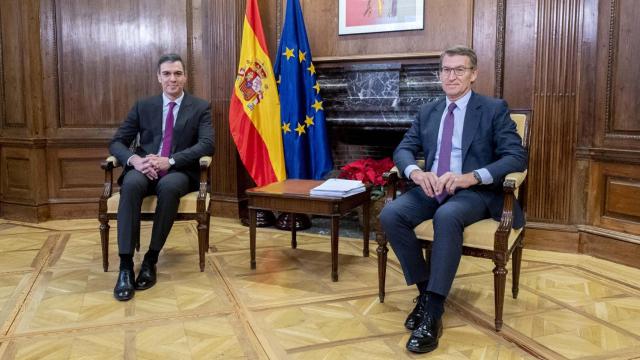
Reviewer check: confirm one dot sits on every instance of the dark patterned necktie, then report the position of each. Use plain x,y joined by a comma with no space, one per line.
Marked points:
444,156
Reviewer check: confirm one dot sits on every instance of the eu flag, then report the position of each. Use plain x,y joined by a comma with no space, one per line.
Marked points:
304,134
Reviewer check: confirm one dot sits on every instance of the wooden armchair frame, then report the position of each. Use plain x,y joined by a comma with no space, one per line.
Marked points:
506,242
201,212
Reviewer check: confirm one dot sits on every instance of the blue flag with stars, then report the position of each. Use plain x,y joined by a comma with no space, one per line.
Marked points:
304,134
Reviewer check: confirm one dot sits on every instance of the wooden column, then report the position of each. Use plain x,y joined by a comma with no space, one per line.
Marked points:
554,115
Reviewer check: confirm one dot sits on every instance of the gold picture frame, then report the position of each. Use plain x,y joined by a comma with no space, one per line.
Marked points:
372,16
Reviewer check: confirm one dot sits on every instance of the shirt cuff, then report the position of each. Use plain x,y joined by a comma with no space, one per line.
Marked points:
485,175
129,164
409,169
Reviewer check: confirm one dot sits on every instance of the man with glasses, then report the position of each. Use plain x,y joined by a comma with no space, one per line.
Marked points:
470,144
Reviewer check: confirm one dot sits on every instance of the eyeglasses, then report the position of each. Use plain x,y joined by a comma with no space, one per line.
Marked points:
459,71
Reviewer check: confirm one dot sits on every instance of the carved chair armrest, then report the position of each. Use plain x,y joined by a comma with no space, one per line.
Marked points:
205,162
108,165
392,178
511,183
517,177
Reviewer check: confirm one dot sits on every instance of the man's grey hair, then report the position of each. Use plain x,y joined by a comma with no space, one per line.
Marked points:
463,51
172,57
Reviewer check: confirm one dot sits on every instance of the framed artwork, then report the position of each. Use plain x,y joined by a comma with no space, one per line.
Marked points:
370,16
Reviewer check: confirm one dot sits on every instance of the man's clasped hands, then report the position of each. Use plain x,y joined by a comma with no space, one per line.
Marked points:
150,165
433,184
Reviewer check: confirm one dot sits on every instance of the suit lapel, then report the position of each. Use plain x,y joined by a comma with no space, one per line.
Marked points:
156,113
433,127
471,121
183,114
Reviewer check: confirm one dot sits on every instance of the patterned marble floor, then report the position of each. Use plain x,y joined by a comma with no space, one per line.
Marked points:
56,302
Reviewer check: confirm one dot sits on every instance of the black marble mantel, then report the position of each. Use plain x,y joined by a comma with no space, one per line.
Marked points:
383,96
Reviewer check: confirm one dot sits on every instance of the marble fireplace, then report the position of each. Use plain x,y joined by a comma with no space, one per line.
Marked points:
369,107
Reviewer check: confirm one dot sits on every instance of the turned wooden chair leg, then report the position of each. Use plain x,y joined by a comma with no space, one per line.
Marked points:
203,231
104,239
382,263
208,223
499,283
516,261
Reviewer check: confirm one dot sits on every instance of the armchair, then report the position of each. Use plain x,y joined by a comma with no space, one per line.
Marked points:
489,239
193,206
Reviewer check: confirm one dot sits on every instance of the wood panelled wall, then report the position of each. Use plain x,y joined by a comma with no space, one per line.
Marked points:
71,69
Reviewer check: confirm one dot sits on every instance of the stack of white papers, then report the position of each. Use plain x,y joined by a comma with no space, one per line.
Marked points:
338,188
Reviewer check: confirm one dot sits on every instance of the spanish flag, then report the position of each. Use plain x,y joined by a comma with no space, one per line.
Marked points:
254,114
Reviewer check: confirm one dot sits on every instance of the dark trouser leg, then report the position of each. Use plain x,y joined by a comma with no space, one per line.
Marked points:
462,209
398,220
170,189
134,188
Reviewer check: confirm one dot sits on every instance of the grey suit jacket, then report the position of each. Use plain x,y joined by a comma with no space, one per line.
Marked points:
192,134
489,140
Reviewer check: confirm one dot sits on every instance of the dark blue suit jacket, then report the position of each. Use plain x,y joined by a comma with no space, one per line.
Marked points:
489,140
192,134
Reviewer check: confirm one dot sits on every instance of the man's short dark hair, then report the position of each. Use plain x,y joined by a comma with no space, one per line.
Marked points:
172,57
463,51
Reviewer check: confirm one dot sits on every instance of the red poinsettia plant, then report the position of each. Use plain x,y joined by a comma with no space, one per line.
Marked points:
369,171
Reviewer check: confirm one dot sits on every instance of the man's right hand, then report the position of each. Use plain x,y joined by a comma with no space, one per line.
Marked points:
144,165
426,180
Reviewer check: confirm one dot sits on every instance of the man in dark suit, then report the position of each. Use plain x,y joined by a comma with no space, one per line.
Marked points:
470,144
174,131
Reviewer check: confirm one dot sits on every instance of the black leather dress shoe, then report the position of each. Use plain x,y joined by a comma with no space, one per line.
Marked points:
425,337
146,277
414,318
124,289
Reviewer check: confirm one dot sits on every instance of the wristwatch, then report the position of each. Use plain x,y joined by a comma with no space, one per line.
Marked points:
476,175
171,162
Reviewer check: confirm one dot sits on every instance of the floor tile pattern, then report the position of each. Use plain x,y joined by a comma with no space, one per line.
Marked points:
56,302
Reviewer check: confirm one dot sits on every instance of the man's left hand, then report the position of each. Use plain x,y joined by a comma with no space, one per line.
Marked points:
159,163
451,182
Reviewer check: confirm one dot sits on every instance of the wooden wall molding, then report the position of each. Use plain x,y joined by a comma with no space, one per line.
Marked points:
501,15
33,143
2,82
616,135
552,240
611,50
607,247
374,58
612,234
610,131
191,74
613,188
608,154
484,36
605,244
555,112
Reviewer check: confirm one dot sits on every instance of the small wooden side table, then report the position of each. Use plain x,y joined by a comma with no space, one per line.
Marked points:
292,196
